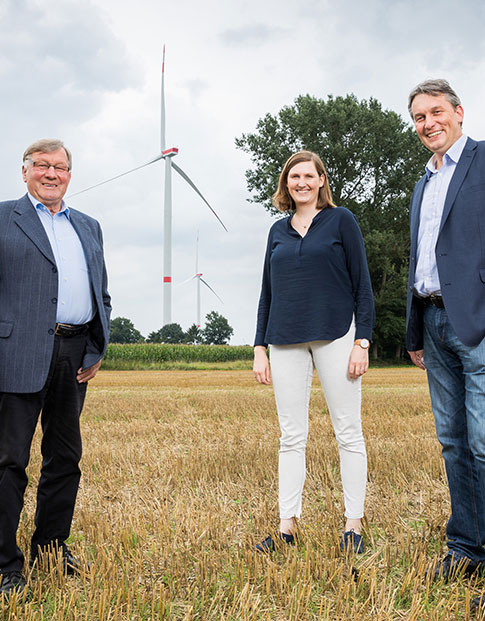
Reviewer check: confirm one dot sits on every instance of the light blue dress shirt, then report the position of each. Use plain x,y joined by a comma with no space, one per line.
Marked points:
74,299
426,279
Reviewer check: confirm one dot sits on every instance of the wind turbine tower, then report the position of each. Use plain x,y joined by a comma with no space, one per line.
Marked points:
167,155
198,275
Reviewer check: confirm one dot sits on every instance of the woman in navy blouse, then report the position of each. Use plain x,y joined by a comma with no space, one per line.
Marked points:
316,309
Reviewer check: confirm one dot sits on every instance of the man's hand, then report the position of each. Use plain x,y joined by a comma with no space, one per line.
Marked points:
359,361
84,375
261,365
418,358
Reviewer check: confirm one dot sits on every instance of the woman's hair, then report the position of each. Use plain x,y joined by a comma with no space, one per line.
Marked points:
282,199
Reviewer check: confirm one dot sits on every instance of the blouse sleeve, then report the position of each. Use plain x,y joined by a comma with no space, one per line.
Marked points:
265,297
354,248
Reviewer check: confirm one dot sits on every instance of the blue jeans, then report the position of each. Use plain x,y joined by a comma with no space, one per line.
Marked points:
456,377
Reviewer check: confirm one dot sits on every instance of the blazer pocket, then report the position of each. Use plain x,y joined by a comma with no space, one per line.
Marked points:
482,275
5,329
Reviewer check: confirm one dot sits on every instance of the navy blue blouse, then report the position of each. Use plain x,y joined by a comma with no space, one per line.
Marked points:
314,285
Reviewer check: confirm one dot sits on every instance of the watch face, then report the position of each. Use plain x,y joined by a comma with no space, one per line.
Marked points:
364,343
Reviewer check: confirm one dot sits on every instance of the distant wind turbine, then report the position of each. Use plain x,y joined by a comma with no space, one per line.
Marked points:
198,275
167,155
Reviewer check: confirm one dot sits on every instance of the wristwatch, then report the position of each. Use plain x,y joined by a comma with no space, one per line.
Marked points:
364,343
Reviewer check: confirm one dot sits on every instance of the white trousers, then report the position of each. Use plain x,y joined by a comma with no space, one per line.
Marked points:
292,372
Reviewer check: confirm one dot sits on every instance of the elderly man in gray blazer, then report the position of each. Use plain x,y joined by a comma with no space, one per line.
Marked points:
54,330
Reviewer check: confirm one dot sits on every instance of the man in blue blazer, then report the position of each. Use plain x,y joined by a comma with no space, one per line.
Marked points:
54,330
446,310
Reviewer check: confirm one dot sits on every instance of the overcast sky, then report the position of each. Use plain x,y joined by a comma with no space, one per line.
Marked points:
89,71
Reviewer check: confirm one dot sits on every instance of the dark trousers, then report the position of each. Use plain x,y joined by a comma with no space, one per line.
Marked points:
61,401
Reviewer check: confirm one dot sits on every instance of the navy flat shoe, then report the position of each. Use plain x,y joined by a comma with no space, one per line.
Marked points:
269,545
352,541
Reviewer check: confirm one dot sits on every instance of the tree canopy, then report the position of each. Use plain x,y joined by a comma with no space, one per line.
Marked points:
193,336
373,159
122,330
217,330
169,333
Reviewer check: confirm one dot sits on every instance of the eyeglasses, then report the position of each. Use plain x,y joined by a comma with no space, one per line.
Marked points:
43,167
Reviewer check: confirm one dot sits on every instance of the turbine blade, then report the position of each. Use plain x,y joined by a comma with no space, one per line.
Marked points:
207,285
186,281
162,119
192,185
155,159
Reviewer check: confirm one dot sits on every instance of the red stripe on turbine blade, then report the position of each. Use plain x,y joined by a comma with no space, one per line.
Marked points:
167,279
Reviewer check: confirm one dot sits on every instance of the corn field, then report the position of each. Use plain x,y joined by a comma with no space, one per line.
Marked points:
161,355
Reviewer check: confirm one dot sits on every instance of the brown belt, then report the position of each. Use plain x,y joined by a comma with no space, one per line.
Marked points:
433,300
68,329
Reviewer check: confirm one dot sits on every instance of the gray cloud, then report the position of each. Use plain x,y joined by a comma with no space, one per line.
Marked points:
251,34
56,62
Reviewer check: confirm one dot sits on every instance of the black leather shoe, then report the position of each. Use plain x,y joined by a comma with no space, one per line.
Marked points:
269,545
451,567
12,582
72,565
479,603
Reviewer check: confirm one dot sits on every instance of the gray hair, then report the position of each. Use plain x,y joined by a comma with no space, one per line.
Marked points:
47,145
434,87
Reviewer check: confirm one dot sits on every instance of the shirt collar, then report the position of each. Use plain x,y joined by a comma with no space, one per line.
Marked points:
452,155
38,205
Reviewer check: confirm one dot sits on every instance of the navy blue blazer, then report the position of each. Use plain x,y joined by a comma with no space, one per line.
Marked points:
460,251
28,295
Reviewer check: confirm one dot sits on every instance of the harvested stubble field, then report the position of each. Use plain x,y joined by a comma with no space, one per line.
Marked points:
179,483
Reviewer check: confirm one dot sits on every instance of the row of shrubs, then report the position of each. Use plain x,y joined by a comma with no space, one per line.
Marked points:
162,352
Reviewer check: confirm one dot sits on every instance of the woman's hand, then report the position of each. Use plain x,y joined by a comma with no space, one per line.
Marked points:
359,361
261,365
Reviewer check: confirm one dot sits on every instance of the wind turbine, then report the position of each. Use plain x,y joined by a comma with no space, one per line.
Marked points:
167,155
198,275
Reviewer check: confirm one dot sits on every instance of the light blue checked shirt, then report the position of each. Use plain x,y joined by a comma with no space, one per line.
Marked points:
426,279
74,298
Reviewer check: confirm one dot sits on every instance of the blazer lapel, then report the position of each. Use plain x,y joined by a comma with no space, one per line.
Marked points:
458,176
86,238
26,218
416,212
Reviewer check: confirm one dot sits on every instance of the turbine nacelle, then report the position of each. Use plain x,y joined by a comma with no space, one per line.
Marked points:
170,152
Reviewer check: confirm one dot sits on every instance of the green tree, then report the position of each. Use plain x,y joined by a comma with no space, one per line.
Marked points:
217,330
154,337
193,335
122,330
169,333
373,159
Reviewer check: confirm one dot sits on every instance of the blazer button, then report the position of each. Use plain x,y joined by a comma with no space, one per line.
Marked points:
54,300
51,331
54,269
